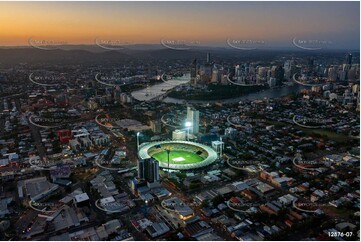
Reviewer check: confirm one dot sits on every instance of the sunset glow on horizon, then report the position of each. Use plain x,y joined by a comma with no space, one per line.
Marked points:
209,23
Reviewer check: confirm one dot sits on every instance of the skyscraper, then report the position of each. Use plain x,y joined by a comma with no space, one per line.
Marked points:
349,59
278,73
193,118
216,75
205,72
290,68
194,72
148,169
237,70
332,74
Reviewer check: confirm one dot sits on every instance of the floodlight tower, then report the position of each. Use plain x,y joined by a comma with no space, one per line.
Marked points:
188,126
168,149
138,133
146,209
221,153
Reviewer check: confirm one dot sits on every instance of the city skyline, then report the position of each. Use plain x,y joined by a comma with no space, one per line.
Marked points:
211,23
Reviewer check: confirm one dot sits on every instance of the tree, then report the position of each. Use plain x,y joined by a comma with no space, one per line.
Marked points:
204,204
217,200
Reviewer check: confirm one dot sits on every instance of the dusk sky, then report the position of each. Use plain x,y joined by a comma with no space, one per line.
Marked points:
209,23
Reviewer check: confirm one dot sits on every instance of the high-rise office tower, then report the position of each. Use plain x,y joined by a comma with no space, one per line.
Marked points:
351,74
237,71
193,118
148,169
278,73
332,74
194,72
216,75
290,69
349,59
205,73
208,58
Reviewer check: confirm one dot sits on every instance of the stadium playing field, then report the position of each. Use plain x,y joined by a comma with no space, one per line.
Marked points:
178,157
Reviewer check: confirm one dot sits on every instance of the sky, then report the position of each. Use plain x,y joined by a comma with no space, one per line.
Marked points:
204,23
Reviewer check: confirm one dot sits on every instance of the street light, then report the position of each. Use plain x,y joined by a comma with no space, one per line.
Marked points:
138,133
188,125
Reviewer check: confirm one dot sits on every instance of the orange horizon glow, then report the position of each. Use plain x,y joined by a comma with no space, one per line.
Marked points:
149,22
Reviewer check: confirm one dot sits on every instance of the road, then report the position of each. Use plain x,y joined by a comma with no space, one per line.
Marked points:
37,138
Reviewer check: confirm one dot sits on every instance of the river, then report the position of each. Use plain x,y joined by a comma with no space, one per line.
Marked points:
268,93
157,90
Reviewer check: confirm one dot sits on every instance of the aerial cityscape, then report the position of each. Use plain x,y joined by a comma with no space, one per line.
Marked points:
195,121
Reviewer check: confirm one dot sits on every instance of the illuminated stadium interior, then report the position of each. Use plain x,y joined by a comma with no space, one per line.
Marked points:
183,155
